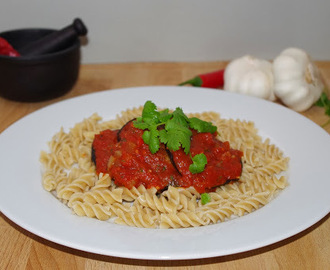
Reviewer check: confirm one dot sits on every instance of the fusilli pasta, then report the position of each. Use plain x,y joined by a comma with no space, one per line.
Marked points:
70,175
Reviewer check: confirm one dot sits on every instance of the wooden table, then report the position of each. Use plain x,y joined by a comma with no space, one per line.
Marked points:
19,249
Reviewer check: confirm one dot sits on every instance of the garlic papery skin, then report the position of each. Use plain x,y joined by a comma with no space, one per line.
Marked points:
250,76
297,80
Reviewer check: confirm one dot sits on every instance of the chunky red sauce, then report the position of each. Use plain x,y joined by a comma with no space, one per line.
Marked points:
128,160
223,163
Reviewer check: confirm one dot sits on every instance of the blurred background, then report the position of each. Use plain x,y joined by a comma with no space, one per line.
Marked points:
181,30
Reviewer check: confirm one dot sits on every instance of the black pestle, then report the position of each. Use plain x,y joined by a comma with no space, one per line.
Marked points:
55,41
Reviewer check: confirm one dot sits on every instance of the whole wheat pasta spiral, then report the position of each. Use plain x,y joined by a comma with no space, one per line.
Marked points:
69,174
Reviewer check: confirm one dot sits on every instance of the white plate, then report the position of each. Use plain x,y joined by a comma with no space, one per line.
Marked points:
303,203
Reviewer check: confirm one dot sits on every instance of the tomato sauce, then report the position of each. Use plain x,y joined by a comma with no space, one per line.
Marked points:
103,148
128,160
223,163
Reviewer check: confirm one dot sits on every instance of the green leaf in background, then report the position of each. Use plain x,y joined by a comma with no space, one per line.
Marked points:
324,102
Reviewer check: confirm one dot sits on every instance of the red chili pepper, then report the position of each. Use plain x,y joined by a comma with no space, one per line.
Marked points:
7,49
213,79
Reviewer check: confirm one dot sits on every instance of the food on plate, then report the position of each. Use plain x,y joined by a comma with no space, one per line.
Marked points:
251,76
297,81
172,156
91,190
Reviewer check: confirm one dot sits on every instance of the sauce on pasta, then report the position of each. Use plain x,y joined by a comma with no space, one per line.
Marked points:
127,159
69,174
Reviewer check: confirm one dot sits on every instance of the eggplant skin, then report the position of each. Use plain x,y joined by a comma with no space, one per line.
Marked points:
170,155
229,181
162,190
93,157
119,137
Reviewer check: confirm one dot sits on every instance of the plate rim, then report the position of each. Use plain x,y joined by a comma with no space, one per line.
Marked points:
201,255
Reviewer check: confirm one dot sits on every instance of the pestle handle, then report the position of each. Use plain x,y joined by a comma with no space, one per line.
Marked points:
55,41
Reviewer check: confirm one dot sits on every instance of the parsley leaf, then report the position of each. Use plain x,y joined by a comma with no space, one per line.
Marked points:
180,118
205,198
150,115
202,126
151,138
138,123
199,162
175,131
176,137
164,116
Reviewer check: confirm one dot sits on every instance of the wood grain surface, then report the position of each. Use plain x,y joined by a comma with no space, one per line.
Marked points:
19,249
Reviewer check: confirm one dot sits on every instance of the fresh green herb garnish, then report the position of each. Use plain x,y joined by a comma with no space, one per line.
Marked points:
201,126
199,162
175,133
205,198
324,102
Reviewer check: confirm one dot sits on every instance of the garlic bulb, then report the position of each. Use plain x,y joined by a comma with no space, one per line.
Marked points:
297,81
251,76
